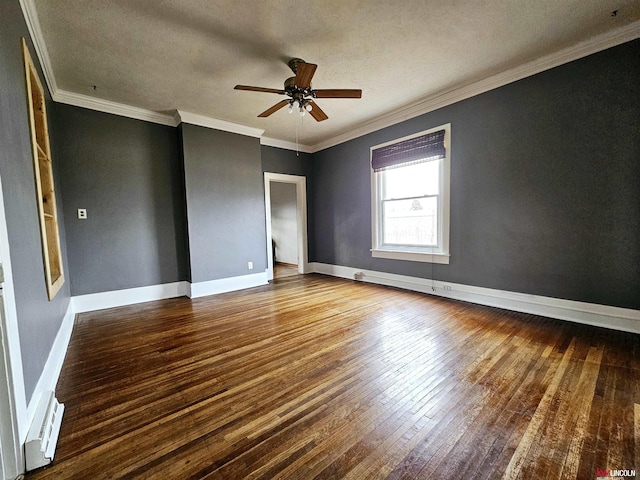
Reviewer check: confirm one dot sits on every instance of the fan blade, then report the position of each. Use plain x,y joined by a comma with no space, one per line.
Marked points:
304,74
275,108
259,89
338,93
317,113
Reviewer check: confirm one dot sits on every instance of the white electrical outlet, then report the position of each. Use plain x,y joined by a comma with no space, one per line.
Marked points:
250,265
82,213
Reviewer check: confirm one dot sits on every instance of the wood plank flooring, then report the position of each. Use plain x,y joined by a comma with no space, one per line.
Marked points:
281,270
316,377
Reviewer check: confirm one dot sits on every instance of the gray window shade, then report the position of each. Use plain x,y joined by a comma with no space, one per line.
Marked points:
408,152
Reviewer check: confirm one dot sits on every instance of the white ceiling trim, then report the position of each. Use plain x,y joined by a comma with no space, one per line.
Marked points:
275,142
202,121
33,25
70,98
107,106
429,104
591,46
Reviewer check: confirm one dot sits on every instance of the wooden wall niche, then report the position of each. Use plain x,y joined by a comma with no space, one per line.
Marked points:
43,170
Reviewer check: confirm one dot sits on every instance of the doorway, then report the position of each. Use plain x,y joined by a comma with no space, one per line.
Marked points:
287,242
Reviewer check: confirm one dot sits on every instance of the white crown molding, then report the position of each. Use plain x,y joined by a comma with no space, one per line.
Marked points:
202,121
30,14
443,99
275,142
615,318
176,118
33,25
107,106
426,105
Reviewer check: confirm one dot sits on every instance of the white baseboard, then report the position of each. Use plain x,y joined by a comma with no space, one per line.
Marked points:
129,296
223,285
581,312
53,366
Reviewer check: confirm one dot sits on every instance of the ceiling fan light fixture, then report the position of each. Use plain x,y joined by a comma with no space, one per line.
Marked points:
300,92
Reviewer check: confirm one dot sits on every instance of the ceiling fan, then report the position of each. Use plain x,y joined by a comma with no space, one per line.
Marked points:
301,95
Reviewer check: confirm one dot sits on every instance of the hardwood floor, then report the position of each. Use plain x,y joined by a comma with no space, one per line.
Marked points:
317,377
281,270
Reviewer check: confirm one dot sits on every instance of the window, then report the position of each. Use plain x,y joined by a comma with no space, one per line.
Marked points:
410,197
43,172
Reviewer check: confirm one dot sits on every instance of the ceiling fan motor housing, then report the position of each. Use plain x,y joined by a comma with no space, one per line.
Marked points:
293,64
296,92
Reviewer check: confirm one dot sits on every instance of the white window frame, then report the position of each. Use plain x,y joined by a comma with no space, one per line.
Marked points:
415,254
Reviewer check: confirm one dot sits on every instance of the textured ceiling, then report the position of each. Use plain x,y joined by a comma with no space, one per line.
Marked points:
163,55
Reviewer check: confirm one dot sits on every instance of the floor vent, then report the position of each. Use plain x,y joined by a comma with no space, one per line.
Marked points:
43,434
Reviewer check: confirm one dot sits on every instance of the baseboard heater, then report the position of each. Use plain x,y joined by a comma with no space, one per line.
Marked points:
43,434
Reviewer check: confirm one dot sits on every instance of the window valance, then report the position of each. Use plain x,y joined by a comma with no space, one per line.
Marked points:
407,152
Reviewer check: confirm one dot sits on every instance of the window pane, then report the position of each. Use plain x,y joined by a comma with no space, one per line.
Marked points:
410,222
412,181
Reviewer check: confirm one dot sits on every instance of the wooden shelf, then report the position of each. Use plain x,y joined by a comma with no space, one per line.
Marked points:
39,128
41,153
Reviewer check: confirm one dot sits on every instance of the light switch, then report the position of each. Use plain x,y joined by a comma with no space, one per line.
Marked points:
82,213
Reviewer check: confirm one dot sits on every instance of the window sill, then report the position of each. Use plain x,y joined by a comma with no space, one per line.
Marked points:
411,256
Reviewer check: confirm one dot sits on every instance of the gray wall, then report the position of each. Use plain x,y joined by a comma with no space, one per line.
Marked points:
279,160
545,186
127,174
545,193
284,225
38,319
225,203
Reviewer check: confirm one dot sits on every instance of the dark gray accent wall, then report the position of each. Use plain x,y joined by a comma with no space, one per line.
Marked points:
127,174
280,160
225,203
289,162
545,186
39,319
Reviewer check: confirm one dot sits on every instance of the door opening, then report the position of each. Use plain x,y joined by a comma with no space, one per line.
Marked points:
286,217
